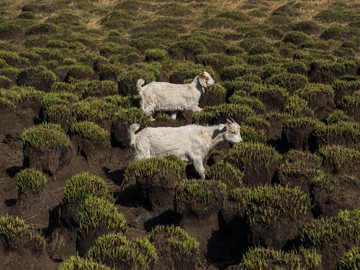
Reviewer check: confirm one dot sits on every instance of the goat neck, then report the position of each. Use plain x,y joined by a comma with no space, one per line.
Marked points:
212,136
197,85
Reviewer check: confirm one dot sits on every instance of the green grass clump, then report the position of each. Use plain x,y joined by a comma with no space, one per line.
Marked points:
298,107
92,108
115,249
14,227
308,27
11,58
80,72
343,227
45,135
238,70
155,166
15,95
299,162
42,28
128,78
326,71
344,88
91,131
346,132
245,154
297,37
217,60
349,102
251,134
340,158
253,102
233,110
130,116
155,55
80,263
302,123
332,183
38,77
289,81
226,173
176,238
312,91
96,88
97,213
267,203
336,117
120,101
350,260
204,191
83,185
31,178
268,258
57,98
258,122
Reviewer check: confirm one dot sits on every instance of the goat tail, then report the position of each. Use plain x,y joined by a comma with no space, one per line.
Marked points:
132,129
139,83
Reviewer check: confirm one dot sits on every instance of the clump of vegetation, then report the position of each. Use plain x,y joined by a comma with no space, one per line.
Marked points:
38,77
14,227
343,227
225,110
155,55
151,167
244,155
130,116
312,91
91,131
267,203
96,88
83,185
45,135
128,78
326,71
204,191
330,183
302,123
289,81
10,98
350,259
226,173
175,238
115,249
340,158
297,165
337,116
77,262
298,107
97,213
253,102
345,133
92,108
31,179
251,134
297,37
268,258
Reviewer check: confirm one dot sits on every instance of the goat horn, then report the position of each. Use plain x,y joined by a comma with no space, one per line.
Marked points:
232,119
229,121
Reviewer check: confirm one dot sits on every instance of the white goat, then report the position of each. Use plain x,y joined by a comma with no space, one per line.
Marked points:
164,96
190,143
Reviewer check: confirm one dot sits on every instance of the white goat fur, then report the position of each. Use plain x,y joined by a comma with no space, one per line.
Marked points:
164,96
190,143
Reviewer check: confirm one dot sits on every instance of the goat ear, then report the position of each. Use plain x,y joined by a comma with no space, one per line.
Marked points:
222,127
202,81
